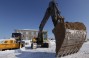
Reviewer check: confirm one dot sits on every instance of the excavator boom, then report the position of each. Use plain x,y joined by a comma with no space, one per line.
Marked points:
52,11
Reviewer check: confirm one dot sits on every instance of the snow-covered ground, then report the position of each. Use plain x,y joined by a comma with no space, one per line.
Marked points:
83,53
27,52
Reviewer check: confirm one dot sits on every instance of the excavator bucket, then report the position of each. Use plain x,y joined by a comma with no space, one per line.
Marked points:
69,37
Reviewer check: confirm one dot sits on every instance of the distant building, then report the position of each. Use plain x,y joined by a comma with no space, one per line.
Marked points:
28,34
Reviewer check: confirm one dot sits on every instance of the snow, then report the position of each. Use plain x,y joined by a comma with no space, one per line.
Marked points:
83,53
27,52
31,29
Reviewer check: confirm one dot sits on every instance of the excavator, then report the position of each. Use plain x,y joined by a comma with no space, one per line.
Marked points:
69,36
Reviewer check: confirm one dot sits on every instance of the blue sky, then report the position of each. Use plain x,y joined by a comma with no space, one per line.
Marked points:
27,14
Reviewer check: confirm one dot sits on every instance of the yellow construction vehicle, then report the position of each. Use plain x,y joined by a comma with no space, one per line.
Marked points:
8,44
13,43
69,36
45,42
18,38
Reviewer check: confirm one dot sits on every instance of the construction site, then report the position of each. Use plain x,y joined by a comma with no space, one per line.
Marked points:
70,37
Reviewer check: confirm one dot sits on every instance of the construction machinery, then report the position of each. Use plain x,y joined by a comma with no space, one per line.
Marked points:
18,38
43,43
8,44
69,36
14,43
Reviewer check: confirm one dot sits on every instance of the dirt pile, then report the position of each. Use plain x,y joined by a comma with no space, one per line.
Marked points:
75,25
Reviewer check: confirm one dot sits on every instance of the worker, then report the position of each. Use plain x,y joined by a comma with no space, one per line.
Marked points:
33,44
34,40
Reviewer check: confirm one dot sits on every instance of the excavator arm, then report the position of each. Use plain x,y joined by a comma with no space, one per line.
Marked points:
52,11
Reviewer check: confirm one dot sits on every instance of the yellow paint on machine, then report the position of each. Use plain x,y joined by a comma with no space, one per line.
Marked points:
9,44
